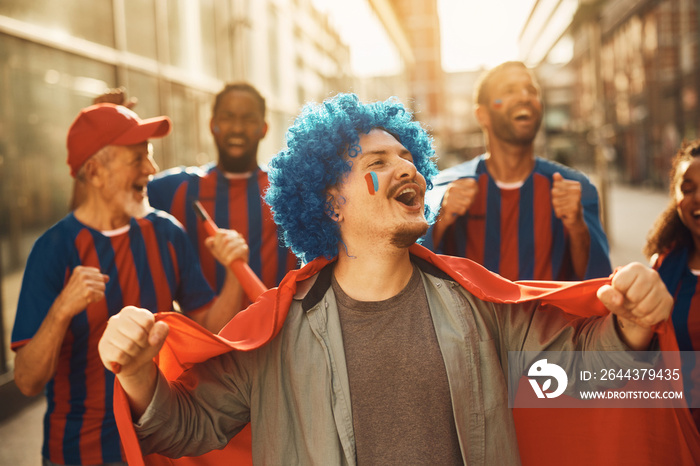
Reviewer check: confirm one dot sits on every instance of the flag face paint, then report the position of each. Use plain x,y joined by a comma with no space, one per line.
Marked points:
497,103
372,182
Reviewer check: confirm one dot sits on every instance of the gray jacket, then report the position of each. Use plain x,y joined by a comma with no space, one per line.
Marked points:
295,392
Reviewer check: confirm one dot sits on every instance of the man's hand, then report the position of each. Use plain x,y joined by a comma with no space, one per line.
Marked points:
458,199
130,341
640,300
116,96
566,202
227,246
86,285
132,338
456,202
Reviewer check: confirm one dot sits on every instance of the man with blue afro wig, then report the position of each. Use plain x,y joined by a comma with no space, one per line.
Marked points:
315,161
377,351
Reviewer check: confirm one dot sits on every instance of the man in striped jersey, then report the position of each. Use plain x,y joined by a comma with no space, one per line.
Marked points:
112,250
230,189
519,215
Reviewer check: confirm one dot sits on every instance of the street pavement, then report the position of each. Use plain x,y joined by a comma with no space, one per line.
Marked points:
631,214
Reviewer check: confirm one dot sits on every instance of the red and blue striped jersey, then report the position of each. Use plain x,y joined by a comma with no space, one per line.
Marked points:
150,263
514,232
234,203
684,286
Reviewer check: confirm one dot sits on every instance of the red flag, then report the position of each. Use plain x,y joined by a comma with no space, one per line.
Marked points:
545,436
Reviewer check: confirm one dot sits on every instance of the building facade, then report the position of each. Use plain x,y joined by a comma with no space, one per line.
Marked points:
636,79
174,56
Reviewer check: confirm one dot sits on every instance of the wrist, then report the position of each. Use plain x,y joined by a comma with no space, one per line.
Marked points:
635,336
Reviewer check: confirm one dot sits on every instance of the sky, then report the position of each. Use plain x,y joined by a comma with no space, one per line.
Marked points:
474,33
480,33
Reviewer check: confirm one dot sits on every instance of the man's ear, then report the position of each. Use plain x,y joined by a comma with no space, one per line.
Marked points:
482,115
333,198
263,130
92,170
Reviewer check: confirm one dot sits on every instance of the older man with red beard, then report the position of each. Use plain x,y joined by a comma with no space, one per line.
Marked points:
518,215
113,250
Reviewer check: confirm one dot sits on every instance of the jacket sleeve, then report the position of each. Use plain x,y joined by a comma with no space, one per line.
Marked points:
199,412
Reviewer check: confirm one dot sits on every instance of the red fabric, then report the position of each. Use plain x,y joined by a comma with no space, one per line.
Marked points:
552,436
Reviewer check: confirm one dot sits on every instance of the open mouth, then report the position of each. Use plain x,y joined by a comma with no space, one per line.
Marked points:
235,141
522,114
139,188
408,196
696,214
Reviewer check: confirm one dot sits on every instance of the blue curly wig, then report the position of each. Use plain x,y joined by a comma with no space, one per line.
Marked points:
320,147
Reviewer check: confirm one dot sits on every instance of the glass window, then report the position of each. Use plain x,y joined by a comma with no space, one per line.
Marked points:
184,138
86,19
41,92
192,36
145,88
140,27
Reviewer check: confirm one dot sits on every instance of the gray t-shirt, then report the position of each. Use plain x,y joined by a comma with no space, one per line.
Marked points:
401,406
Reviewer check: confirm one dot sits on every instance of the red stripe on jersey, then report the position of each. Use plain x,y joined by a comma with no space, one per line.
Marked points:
176,265
270,241
207,196
178,204
238,207
128,277
95,399
164,298
542,213
509,264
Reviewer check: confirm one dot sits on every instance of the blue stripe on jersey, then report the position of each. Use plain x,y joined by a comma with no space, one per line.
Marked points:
166,259
192,195
492,240
221,218
682,284
672,268
139,255
526,231
679,317
681,310
461,226
78,390
51,405
558,246
255,229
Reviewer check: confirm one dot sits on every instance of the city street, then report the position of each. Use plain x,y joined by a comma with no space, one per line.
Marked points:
632,212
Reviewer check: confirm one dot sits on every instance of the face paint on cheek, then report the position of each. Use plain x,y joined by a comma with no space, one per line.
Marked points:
497,103
372,182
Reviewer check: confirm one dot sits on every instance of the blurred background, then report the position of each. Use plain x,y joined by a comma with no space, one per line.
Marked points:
620,84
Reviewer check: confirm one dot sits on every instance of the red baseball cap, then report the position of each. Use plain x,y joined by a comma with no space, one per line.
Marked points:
106,124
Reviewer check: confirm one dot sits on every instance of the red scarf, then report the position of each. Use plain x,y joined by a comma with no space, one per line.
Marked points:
545,436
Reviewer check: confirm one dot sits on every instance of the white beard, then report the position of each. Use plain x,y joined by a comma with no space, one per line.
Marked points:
134,208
